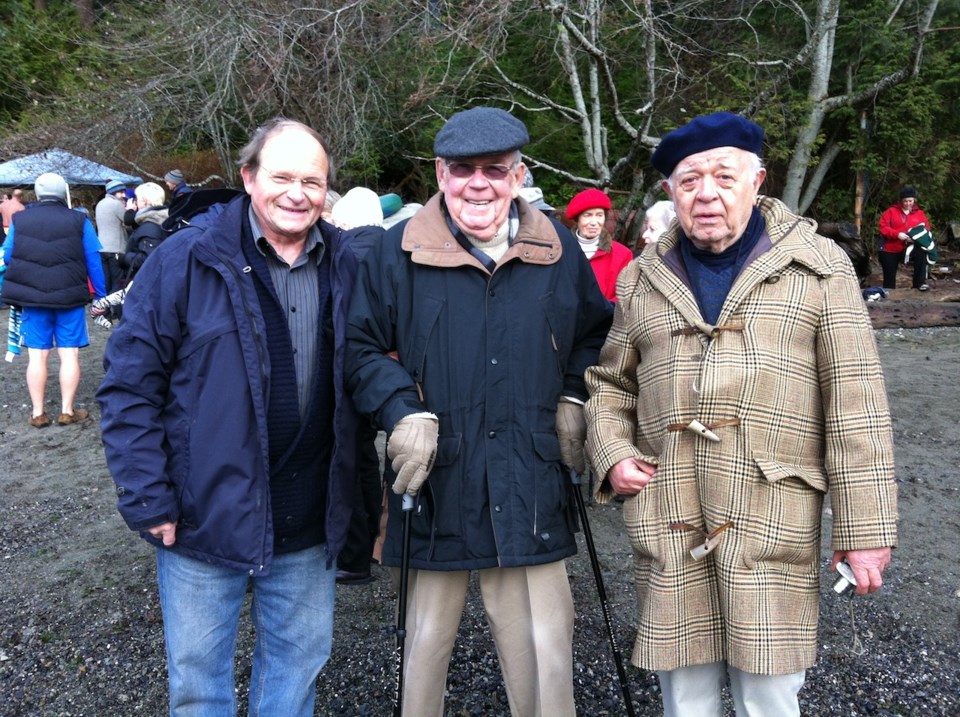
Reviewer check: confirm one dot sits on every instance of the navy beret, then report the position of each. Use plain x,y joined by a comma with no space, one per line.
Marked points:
479,131
720,129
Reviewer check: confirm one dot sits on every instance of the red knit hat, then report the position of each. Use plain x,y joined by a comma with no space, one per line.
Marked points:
587,199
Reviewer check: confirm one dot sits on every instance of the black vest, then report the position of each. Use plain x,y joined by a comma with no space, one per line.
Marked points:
47,267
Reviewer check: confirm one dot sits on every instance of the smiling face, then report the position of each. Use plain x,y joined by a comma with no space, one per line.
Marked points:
590,223
477,203
714,193
288,187
908,204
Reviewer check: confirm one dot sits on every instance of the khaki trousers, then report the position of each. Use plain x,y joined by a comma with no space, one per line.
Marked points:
530,614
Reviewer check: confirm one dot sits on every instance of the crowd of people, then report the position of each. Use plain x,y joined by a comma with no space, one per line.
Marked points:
720,383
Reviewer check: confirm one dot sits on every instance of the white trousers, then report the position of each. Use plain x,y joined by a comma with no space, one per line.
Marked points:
694,691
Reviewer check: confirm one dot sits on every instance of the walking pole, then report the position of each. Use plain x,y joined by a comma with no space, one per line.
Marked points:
595,562
401,629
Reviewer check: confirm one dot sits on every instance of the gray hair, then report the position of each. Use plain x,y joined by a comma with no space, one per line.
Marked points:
661,212
250,154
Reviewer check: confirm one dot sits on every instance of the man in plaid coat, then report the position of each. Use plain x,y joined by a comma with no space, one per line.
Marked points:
740,382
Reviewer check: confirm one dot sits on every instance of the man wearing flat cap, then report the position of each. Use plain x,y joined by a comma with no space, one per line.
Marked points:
739,383
494,314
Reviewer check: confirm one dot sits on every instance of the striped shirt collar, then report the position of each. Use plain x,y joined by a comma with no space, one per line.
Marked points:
314,240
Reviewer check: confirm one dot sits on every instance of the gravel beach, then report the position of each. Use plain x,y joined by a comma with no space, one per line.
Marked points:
81,630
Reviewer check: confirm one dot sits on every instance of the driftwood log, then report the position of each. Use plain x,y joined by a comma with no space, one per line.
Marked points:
906,309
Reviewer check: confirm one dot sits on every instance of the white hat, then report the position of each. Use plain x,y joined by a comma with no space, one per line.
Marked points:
360,207
50,186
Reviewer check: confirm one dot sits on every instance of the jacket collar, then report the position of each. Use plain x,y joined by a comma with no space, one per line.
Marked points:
222,222
430,242
789,238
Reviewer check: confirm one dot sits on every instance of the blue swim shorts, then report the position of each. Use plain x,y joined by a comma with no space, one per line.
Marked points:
45,328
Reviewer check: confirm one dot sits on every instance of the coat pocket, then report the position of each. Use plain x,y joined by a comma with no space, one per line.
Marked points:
445,487
553,508
786,504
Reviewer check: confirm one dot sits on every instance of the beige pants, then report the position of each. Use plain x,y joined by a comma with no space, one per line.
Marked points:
530,613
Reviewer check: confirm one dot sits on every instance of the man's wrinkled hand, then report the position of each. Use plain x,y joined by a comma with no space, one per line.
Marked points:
630,476
572,432
412,449
867,566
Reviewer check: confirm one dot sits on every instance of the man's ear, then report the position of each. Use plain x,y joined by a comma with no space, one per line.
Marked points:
440,167
665,186
521,173
761,175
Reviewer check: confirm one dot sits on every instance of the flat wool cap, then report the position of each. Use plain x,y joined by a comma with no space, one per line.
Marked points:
720,129
480,131
50,186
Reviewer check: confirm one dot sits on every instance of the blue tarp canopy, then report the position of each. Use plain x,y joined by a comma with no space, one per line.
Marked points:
75,170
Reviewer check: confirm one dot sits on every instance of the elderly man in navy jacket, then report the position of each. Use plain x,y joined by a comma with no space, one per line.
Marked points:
494,314
228,434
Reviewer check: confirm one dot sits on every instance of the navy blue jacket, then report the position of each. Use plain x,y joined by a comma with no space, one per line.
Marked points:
490,354
184,400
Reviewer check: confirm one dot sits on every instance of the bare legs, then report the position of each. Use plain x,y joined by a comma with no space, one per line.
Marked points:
37,377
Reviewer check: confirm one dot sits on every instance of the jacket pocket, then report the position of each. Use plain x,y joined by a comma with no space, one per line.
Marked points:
552,508
645,527
445,487
558,324
784,517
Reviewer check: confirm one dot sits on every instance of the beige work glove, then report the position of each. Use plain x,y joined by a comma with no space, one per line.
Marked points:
412,449
572,432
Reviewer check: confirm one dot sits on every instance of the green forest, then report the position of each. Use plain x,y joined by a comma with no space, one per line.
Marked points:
856,98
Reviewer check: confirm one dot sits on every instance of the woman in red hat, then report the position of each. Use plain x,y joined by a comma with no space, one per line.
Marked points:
588,210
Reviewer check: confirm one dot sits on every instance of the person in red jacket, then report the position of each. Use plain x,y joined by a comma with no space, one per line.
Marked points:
894,223
588,210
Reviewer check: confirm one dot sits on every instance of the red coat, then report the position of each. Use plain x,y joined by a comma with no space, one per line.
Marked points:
607,263
893,221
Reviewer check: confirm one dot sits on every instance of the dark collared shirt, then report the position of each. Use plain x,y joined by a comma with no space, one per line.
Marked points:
298,290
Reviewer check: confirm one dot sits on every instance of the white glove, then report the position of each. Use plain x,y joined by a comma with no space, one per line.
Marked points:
412,449
572,432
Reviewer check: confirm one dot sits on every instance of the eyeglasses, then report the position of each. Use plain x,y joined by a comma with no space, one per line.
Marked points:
312,185
493,172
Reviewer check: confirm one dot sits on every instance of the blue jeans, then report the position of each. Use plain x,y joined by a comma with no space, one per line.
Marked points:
291,610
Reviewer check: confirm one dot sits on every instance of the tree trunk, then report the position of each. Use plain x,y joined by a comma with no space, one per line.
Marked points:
821,65
84,10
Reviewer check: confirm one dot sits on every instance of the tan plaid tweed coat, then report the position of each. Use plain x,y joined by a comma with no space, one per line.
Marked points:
790,381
